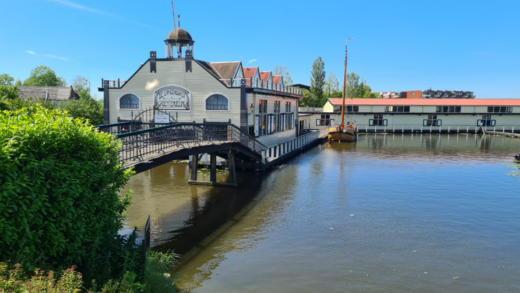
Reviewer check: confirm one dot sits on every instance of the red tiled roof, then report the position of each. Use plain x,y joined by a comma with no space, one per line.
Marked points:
249,72
276,79
264,75
427,102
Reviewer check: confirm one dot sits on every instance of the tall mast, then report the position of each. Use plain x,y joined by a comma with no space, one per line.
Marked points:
344,88
344,85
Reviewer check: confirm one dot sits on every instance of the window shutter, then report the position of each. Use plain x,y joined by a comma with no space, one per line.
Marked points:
371,122
317,122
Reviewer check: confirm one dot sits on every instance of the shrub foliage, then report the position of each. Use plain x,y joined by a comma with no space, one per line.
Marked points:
59,202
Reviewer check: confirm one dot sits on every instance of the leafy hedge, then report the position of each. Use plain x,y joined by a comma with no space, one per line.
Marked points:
59,202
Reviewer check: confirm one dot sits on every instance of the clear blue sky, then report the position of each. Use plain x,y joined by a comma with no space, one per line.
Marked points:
401,45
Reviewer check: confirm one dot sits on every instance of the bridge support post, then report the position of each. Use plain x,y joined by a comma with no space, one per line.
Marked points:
213,167
232,171
194,160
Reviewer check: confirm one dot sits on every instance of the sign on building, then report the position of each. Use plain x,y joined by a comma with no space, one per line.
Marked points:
162,119
172,97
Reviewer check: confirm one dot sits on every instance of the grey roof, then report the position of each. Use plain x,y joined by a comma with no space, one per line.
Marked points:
47,92
223,71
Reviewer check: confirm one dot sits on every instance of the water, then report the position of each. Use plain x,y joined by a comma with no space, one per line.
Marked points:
390,213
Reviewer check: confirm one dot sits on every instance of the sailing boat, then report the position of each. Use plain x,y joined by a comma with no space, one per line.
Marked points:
344,132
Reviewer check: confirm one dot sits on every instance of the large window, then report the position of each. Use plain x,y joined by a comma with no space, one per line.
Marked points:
350,109
397,109
277,106
486,121
262,106
500,109
378,121
448,109
432,121
325,121
217,102
288,107
129,102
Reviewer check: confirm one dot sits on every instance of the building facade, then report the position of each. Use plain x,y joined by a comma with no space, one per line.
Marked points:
185,89
417,114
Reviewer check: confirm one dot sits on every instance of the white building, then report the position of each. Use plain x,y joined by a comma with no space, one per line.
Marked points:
185,89
405,115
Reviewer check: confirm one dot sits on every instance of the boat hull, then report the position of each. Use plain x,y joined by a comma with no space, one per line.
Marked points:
348,135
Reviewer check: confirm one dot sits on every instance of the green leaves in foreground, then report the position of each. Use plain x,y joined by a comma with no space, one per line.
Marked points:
59,183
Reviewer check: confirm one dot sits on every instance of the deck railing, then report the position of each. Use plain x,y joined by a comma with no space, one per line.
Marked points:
260,84
408,128
113,83
276,151
310,109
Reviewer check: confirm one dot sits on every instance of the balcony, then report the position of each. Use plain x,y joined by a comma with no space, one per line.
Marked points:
260,84
113,83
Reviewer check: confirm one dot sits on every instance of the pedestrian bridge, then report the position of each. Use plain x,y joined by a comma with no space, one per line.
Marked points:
144,146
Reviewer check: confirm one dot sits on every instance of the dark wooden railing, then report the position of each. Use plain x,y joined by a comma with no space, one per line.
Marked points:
136,145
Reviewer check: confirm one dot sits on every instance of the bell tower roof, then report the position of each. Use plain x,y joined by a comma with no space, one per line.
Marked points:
179,36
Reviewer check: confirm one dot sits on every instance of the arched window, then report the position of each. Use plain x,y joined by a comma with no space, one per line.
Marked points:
217,102
129,101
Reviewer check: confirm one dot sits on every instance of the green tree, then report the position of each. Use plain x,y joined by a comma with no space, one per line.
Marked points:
44,76
358,88
318,82
282,70
86,107
331,88
6,79
308,100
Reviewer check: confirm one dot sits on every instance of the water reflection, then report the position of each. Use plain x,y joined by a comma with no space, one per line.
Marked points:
398,206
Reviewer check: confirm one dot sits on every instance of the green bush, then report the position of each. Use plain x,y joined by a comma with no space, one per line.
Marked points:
156,279
59,202
15,280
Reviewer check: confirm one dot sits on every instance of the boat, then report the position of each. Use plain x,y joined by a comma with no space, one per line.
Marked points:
347,133
344,132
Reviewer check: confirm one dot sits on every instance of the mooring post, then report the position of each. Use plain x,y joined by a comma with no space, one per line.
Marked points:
213,167
232,171
194,159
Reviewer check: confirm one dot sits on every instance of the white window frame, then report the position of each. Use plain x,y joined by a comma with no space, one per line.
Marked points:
128,109
228,101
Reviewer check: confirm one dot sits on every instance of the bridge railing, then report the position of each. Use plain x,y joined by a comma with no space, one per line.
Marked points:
138,145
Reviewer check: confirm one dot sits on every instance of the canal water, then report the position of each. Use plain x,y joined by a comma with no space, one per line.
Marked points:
390,213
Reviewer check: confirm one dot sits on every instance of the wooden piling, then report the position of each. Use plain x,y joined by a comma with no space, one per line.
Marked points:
213,167
232,171
194,160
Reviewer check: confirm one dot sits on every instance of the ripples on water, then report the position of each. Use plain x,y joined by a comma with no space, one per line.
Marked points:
390,213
